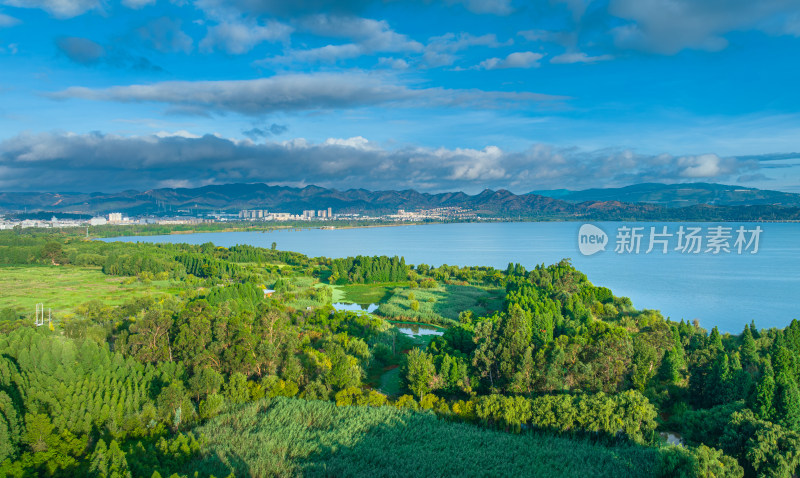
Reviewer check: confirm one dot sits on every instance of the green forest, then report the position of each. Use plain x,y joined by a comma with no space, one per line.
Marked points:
158,360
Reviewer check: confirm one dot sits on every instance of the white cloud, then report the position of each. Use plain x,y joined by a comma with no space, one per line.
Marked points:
238,37
394,63
165,35
176,134
521,59
494,7
706,166
299,92
669,26
792,25
367,37
440,50
57,8
8,21
281,8
11,49
579,57
358,142
327,54
578,7
138,4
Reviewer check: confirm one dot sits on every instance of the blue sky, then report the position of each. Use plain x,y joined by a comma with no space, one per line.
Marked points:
432,95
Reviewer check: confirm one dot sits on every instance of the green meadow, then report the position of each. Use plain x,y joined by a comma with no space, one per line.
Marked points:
62,288
431,305
290,437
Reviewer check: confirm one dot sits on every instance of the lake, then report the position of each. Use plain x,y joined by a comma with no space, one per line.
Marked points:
727,290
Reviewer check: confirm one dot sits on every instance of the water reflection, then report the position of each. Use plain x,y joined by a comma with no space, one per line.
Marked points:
356,307
417,330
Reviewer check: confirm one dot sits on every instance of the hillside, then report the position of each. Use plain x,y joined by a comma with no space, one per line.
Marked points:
641,202
679,195
232,197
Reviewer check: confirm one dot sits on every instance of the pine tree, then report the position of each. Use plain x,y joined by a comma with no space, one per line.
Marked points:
715,339
525,377
787,401
98,465
748,349
741,380
721,380
753,329
674,364
762,401
117,464
783,361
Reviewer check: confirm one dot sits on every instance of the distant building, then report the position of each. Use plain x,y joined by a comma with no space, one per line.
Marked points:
179,220
252,214
98,221
330,213
115,218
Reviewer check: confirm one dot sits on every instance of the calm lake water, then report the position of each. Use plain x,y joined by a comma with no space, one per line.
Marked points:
417,329
727,290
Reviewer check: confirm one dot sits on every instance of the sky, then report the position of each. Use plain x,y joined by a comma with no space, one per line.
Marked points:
432,95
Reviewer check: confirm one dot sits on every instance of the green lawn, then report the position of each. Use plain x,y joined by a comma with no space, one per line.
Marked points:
390,382
63,287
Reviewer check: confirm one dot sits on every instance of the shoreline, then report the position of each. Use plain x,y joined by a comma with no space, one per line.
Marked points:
275,228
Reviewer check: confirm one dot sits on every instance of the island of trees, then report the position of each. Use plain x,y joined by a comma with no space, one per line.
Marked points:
180,360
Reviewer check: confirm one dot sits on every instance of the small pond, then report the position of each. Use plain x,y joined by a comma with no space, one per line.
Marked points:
355,307
418,329
672,438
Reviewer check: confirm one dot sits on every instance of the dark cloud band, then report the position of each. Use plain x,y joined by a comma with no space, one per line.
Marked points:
82,162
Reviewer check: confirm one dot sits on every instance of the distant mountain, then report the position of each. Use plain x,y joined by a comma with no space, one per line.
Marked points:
679,195
233,197
641,202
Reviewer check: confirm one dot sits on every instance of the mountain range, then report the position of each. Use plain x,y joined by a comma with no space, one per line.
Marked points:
679,195
698,201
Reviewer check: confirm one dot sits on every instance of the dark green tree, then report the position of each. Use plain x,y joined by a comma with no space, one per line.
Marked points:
762,400
421,372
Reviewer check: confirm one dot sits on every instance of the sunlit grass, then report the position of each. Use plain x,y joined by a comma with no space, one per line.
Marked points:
442,302
292,437
62,288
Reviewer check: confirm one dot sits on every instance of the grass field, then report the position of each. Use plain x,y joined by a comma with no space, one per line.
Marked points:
390,382
62,288
443,302
292,437
365,293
